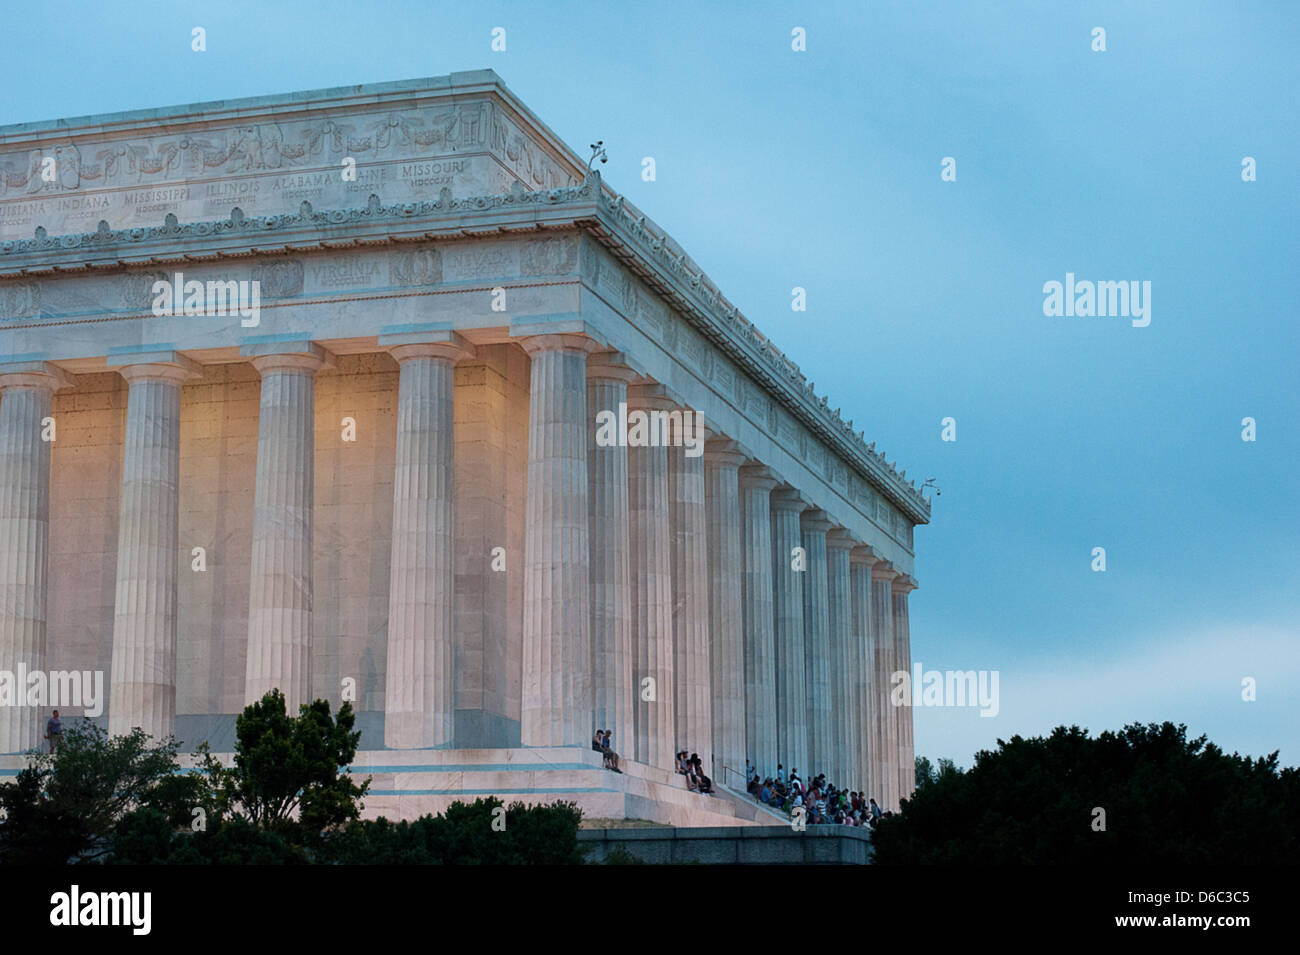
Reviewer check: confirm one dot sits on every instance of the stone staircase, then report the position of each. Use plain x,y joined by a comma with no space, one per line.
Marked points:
406,784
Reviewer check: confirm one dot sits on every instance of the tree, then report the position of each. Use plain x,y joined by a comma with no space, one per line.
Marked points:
288,768
483,832
1147,794
924,772
67,806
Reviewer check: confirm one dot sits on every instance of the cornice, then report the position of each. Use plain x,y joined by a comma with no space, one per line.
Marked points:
649,253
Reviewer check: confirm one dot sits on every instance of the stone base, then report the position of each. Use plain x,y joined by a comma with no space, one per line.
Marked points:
406,784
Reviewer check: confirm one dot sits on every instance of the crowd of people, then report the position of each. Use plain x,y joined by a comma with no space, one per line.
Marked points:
818,800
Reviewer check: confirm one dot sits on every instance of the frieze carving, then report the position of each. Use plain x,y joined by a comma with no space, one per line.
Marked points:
279,278
20,300
416,267
557,255
257,147
136,288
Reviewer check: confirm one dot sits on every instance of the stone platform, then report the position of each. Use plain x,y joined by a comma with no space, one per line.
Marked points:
406,784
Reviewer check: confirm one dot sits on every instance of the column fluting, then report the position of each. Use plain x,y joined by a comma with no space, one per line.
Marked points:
419,688
814,526
652,582
722,461
882,617
613,691
902,586
26,401
839,602
556,703
789,570
756,485
688,520
280,570
866,719
143,682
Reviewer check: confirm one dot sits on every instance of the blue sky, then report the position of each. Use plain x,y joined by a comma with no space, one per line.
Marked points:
821,169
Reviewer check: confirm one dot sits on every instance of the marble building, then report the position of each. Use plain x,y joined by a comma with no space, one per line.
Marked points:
383,483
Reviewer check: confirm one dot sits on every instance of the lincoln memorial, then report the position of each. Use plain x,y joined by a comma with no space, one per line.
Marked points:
381,394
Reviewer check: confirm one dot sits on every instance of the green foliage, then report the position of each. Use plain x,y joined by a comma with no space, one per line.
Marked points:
289,767
1166,799
927,772
464,835
67,806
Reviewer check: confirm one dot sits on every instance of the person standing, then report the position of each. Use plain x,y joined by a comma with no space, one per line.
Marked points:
54,731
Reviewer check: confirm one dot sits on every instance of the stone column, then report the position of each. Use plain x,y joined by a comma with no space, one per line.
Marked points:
866,716
817,643
844,699
143,680
688,519
652,579
883,668
756,484
26,401
613,690
789,569
556,692
722,460
902,586
419,689
280,581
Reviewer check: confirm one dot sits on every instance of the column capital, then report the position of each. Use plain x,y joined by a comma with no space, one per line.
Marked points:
816,521
450,348
789,499
904,584
864,554
722,452
883,570
839,538
559,341
34,374
283,353
646,394
160,365
611,366
758,476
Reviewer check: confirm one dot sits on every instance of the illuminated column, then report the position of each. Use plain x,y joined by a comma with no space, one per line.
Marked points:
789,568
882,618
419,691
756,484
143,677
722,461
280,574
902,586
652,580
839,603
613,690
688,520
556,692
866,715
26,407
817,643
